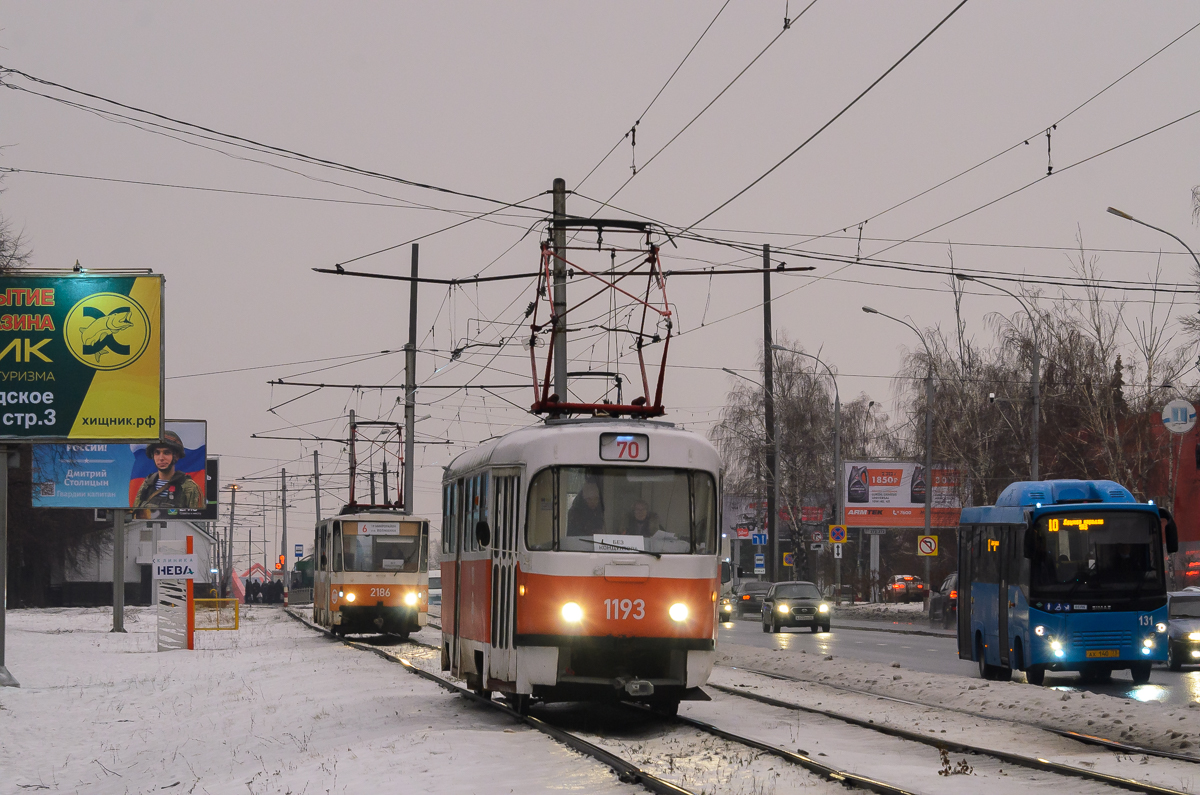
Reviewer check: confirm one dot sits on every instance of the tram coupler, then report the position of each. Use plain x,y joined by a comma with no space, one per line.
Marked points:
639,688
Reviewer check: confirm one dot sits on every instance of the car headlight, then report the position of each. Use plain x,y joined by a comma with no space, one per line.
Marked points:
1160,627
1194,636
823,608
349,597
410,598
1039,630
728,607
572,612
678,612
783,608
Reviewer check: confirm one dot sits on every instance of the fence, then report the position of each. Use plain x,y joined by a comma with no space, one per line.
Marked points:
215,614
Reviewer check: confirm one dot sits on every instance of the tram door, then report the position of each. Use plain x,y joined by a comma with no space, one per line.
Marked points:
502,663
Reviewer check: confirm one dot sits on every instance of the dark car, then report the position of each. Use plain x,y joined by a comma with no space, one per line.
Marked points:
905,588
795,604
943,603
1183,630
745,599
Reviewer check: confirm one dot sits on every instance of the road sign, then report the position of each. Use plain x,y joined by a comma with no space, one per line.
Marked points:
743,532
789,558
299,550
817,536
759,539
927,546
760,564
816,546
875,531
1179,416
837,533
837,551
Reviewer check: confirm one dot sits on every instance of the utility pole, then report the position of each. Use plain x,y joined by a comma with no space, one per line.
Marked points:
118,571
410,389
560,290
233,490
317,482
928,468
353,458
6,679
283,478
769,419
1037,408
385,486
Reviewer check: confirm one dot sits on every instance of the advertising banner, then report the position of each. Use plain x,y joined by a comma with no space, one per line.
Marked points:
81,357
167,479
892,494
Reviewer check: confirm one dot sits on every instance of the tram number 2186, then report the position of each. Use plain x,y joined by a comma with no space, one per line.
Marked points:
624,608
381,592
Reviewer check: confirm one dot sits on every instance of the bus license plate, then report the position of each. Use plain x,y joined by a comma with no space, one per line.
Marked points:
1104,653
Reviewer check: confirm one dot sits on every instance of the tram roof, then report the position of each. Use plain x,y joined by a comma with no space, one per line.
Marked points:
1013,502
541,440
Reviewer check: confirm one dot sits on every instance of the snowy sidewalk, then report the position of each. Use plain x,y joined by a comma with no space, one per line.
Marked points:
272,708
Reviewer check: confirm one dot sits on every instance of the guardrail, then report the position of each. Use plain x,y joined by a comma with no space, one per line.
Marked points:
300,596
216,614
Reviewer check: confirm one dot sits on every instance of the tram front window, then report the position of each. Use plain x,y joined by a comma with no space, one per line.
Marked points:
1093,553
379,552
663,511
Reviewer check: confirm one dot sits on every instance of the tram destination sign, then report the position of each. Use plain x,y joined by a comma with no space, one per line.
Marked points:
81,357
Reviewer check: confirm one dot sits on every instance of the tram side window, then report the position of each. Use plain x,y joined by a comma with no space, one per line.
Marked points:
337,546
704,510
322,547
539,514
449,518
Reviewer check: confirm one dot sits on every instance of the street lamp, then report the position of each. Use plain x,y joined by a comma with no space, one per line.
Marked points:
773,443
1037,370
928,436
837,459
1129,217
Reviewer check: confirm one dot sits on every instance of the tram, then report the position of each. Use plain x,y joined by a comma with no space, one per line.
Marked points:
371,572
1064,575
580,562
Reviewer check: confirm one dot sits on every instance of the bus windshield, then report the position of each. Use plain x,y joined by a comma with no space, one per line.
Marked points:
609,509
1097,553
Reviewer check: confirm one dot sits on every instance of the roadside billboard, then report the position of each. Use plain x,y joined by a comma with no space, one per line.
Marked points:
892,494
166,479
81,357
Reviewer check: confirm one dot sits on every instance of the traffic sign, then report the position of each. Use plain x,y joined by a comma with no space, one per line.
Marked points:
789,558
759,539
927,546
760,564
743,532
837,551
817,536
875,531
299,550
816,546
1179,416
837,533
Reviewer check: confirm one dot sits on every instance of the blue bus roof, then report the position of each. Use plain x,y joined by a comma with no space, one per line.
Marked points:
1043,495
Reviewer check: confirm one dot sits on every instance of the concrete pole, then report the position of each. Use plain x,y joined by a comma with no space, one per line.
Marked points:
232,510
118,571
560,291
769,410
284,550
6,679
1037,411
928,470
317,482
837,491
410,389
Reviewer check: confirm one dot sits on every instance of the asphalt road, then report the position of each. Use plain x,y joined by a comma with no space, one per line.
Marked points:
939,655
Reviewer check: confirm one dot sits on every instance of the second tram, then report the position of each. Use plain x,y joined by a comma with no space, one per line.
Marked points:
580,562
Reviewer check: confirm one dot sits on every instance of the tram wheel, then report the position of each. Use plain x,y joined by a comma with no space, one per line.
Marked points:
667,709
519,702
1140,672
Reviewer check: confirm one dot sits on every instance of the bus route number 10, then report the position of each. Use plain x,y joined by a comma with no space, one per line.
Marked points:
624,447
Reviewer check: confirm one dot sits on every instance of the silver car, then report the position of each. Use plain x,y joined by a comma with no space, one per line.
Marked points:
1183,629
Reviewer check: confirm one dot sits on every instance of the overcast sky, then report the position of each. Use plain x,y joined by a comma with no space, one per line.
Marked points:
499,99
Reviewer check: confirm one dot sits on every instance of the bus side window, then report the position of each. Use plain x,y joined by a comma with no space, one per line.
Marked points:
1018,564
337,546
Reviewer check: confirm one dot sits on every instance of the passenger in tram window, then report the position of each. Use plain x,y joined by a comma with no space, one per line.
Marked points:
641,521
586,515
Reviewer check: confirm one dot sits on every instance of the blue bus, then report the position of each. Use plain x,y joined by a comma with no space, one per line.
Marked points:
1063,575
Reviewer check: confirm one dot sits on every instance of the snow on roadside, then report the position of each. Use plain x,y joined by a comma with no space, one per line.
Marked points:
1145,724
271,708
909,613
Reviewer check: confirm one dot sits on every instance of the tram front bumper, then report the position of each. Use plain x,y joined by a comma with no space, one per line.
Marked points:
377,618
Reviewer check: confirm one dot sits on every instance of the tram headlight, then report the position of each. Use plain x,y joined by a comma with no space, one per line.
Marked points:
1039,630
783,608
1160,627
572,613
823,608
349,597
340,593
410,598
678,612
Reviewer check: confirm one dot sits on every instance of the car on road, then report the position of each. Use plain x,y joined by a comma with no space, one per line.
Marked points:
1183,629
435,590
943,603
795,604
905,588
745,599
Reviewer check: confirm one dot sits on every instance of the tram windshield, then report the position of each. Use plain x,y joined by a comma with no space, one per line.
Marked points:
1097,552
656,510
379,546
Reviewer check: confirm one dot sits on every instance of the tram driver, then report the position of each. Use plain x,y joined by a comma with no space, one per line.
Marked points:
586,515
641,521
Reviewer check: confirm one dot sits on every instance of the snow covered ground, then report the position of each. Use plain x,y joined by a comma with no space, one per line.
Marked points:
271,708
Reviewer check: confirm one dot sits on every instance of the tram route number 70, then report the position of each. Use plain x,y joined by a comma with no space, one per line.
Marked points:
624,608
624,447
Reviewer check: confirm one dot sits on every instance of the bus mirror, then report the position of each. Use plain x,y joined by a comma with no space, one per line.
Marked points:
726,573
1172,534
1029,538
483,534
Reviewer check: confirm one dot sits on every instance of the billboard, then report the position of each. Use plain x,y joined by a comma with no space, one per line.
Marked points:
81,357
892,494
167,479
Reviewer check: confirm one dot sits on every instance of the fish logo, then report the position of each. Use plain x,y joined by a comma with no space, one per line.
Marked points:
107,331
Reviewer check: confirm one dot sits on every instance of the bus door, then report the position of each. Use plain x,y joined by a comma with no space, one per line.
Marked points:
1004,537
502,662
968,554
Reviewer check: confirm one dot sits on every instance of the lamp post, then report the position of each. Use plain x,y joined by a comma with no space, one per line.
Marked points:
1129,217
928,440
837,460
1036,374
772,444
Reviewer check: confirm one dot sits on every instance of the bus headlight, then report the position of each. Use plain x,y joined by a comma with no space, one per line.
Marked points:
572,613
678,612
824,608
410,598
1039,630
1148,643
783,608
1160,627
1057,647
349,597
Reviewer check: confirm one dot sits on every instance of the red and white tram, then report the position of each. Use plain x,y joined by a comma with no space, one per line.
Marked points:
580,562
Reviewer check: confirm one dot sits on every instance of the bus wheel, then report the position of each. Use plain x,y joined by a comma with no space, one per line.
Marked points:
1035,675
1140,672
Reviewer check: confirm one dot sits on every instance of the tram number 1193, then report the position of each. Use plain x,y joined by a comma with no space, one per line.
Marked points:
624,608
